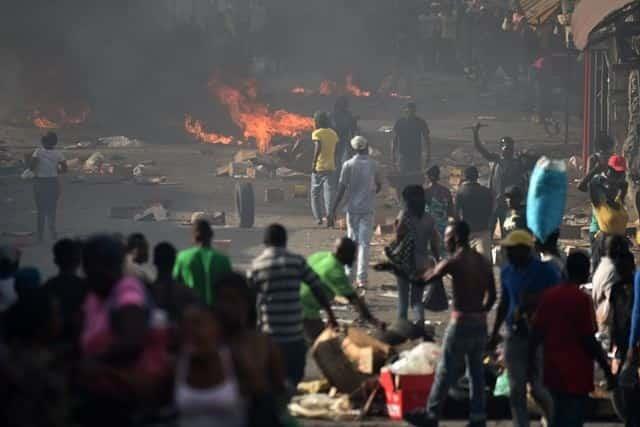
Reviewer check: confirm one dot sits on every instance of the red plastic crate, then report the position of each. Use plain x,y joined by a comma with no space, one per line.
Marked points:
405,393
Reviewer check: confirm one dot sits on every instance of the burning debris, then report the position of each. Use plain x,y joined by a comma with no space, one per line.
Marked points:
58,118
328,87
353,89
255,119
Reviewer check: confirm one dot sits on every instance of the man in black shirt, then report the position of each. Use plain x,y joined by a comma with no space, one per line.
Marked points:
507,170
346,126
410,133
68,289
474,205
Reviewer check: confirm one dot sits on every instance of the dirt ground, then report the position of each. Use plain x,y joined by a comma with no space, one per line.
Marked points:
190,167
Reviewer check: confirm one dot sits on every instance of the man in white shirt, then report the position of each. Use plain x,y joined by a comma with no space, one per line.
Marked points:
360,177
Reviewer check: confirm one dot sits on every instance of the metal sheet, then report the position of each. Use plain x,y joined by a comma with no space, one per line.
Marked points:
588,14
539,11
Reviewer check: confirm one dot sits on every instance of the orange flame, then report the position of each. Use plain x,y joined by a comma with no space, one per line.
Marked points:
353,89
59,119
327,87
195,128
255,119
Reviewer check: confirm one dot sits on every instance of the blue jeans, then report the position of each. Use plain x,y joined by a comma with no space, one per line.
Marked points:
323,189
410,294
516,357
463,344
568,410
360,230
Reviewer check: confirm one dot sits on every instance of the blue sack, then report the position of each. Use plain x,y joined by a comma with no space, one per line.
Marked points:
547,197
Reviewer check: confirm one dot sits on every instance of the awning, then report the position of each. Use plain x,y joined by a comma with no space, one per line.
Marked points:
539,11
588,14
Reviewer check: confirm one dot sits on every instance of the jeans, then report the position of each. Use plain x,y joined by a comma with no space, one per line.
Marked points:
322,193
46,191
408,293
360,230
516,354
294,355
568,410
499,215
463,344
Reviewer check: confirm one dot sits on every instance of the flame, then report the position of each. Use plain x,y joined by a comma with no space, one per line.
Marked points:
196,128
58,118
254,118
353,89
327,87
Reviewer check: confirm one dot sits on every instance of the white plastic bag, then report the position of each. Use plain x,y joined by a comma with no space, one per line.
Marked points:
420,360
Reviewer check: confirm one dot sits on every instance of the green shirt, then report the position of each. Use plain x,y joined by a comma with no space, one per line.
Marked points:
199,268
334,281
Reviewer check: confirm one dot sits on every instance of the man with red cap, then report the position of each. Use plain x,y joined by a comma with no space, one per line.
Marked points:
607,187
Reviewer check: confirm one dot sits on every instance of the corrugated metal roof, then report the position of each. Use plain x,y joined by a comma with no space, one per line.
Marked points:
588,14
539,11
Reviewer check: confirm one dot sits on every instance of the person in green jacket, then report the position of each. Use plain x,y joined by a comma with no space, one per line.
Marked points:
330,267
200,267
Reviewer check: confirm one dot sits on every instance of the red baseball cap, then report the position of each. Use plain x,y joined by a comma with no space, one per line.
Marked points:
617,163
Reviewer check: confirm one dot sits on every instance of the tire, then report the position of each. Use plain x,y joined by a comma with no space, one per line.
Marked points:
245,204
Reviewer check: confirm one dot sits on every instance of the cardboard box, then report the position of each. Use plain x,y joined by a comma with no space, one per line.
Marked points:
334,364
404,393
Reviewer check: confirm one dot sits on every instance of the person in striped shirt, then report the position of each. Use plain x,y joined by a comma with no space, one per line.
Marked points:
276,276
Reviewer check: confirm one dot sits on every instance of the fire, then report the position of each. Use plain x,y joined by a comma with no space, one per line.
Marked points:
353,89
196,128
327,87
255,119
58,118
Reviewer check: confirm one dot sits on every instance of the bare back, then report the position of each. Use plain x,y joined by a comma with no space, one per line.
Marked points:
472,281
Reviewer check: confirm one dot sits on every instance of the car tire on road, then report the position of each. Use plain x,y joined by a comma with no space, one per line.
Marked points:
245,204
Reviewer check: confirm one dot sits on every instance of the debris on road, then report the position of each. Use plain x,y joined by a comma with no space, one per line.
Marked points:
214,218
154,213
120,142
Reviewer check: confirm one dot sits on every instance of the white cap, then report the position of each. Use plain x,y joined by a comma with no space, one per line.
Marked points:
359,143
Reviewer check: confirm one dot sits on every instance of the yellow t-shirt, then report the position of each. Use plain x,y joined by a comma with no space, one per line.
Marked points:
327,157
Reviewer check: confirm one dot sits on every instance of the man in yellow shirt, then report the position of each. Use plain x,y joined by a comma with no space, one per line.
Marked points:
323,180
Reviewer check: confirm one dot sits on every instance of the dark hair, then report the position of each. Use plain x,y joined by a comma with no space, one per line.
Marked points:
513,192
578,265
471,173
164,256
414,200
67,254
275,235
507,140
551,244
105,250
321,120
9,261
462,231
135,241
202,231
346,250
49,140
434,172
29,316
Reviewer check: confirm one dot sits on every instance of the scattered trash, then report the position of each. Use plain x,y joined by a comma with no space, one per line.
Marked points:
215,218
94,161
283,172
323,406
154,213
313,387
385,129
27,174
120,142
138,170
420,360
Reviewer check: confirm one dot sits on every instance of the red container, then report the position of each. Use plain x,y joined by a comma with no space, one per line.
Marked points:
405,393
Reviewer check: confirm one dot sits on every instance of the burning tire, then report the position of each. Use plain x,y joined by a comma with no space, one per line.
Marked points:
245,204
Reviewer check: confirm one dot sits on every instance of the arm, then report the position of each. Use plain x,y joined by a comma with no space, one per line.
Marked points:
491,295
501,315
594,169
451,209
364,311
62,167
597,193
435,243
33,161
594,349
438,272
341,190
489,156
316,153
315,284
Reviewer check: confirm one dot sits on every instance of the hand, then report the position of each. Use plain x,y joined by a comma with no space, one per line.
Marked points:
476,128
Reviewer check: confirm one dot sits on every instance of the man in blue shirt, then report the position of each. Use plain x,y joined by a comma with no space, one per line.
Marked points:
523,280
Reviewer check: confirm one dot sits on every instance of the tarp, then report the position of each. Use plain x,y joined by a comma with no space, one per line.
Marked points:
588,14
539,11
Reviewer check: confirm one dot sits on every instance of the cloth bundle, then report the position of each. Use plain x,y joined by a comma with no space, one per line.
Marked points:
547,197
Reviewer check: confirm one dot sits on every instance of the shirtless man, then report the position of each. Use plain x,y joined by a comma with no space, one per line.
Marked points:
474,293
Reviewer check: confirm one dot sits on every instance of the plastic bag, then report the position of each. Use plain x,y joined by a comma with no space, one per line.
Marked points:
546,197
420,360
502,388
